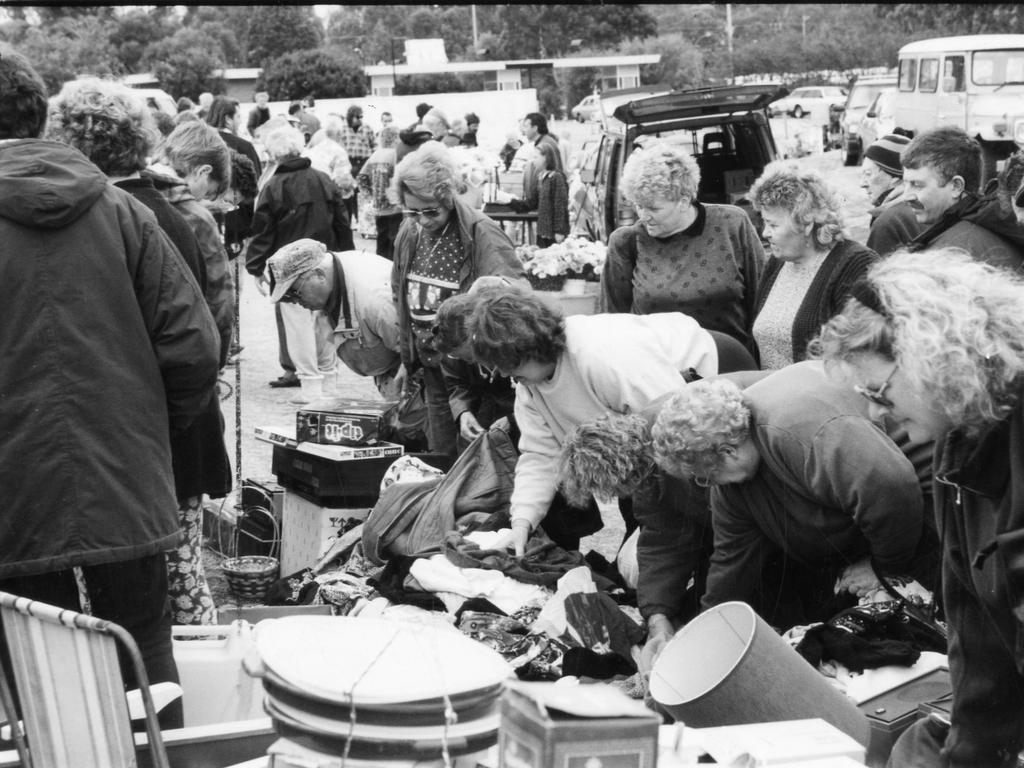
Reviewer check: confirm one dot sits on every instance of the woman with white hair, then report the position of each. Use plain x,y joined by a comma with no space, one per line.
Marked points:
297,201
935,340
681,255
441,249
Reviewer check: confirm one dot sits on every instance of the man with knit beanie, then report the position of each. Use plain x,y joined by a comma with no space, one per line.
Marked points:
893,223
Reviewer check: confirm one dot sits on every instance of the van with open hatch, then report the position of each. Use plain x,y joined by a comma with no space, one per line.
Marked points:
725,128
973,82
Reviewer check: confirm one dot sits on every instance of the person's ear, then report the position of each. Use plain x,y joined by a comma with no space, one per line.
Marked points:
959,185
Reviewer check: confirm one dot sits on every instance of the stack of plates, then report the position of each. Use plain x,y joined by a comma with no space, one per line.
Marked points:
372,688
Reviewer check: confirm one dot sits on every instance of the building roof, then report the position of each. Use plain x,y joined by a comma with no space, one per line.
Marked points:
492,66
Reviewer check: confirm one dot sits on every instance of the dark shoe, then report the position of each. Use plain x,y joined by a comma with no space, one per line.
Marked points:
286,380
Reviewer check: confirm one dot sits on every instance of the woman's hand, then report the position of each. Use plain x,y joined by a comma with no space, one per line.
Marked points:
263,283
469,427
659,632
858,579
516,538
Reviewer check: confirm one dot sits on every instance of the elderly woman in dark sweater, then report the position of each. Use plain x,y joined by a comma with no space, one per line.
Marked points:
704,260
813,262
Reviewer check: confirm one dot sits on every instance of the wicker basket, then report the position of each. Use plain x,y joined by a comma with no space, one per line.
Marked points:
250,576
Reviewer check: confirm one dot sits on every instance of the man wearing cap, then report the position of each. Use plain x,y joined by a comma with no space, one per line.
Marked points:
942,180
350,292
893,223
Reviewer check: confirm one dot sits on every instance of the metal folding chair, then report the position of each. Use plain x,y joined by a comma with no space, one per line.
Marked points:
71,693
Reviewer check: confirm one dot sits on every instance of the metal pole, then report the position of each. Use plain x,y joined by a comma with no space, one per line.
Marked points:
728,41
476,36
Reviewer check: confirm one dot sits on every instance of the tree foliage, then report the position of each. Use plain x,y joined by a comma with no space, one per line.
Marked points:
184,63
299,74
275,30
68,48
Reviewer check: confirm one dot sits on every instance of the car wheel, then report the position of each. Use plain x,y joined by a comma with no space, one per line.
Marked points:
798,112
851,154
580,119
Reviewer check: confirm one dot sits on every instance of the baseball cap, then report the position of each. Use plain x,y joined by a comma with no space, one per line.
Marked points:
290,262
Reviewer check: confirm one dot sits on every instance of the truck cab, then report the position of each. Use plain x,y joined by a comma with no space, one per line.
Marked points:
973,82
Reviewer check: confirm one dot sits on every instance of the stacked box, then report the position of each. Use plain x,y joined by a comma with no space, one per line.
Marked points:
530,737
308,529
344,421
329,482
894,711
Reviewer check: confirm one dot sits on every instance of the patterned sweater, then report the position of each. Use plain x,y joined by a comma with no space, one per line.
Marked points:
709,271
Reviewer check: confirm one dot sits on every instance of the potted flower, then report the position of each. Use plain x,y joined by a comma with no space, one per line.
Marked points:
573,259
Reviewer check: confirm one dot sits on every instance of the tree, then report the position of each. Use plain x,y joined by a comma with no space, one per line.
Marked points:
298,74
532,31
228,24
275,30
69,48
184,63
133,33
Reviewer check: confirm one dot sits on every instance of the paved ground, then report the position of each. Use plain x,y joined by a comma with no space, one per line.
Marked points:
252,402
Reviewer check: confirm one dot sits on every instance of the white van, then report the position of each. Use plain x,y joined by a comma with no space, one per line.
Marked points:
974,82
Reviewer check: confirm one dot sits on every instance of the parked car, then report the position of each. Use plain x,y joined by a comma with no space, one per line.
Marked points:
726,129
811,99
880,119
862,93
157,98
589,108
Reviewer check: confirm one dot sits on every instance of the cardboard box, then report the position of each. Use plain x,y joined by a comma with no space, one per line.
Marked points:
346,483
344,421
285,436
529,738
308,528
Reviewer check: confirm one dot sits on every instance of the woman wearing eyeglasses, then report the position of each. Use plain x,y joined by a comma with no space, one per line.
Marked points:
808,496
936,341
443,246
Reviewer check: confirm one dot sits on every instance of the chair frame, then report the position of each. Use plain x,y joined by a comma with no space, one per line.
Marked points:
23,621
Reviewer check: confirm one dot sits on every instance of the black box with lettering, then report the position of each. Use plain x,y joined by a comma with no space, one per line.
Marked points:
344,421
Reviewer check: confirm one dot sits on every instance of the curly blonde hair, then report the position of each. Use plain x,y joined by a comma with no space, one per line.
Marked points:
806,196
660,171
955,328
106,121
696,423
430,172
608,457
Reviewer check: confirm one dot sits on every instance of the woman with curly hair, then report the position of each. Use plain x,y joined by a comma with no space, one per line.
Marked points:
813,262
681,255
113,127
808,496
443,246
935,340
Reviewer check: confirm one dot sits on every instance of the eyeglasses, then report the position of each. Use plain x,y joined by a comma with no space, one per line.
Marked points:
877,396
430,213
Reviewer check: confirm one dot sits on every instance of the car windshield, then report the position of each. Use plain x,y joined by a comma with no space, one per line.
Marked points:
998,67
863,95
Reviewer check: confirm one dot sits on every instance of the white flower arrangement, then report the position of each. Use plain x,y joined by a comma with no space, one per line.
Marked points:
573,257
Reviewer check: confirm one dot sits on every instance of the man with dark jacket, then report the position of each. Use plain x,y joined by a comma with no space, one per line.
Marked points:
942,175
108,348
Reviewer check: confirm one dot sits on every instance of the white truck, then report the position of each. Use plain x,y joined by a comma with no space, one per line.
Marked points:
974,82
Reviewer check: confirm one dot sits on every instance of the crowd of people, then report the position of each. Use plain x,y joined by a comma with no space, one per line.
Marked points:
789,418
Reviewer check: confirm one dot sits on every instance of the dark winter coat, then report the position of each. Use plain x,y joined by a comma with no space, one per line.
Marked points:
298,201
199,457
979,509
982,227
108,348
